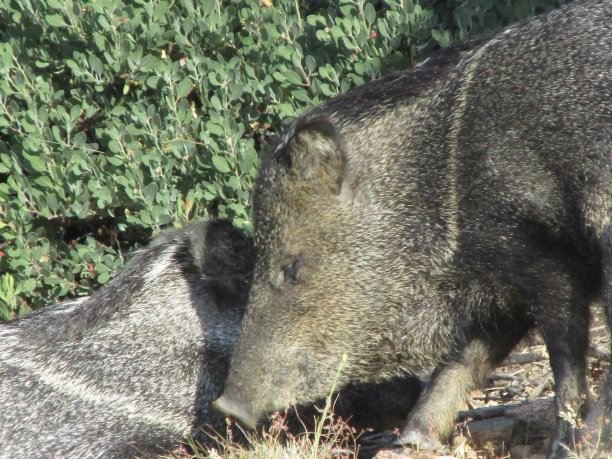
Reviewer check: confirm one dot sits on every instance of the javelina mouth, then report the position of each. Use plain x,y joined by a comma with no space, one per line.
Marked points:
236,410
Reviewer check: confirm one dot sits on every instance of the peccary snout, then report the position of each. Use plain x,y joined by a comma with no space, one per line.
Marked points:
237,409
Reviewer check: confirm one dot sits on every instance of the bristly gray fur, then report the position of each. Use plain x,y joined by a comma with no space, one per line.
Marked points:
430,219
132,369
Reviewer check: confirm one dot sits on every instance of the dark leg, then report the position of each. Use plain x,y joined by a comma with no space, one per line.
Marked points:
597,212
598,434
563,321
433,417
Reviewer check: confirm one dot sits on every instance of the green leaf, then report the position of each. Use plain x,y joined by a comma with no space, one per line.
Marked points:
220,164
382,28
118,110
293,77
278,76
183,88
145,217
103,22
315,20
54,280
159,12
152,63
152,81
370,13
43,181
188,5
301,95
55,20
114,146
311,63
75,112
236,91
208,6
96,64
28,285
214,128
35,162
114,160
55,4
52,203
150,191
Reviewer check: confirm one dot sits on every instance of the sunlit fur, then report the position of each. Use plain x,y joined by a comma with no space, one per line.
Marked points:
426,221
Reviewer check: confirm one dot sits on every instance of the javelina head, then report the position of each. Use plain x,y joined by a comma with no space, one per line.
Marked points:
312,300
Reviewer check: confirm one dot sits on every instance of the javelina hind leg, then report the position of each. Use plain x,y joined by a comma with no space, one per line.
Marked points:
598,435
433,416
563,322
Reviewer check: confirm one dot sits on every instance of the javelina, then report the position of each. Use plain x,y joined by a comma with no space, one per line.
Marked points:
135,367
431,218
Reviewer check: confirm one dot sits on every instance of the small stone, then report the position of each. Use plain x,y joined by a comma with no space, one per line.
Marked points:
496,430
520,452
388,454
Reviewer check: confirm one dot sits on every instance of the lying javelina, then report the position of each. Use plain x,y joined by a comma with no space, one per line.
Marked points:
135,367
431,218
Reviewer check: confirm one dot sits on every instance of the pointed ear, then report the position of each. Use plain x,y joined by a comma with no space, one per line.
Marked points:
223,250
317,155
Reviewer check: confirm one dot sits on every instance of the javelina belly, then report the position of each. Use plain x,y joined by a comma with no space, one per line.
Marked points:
429,219
134,368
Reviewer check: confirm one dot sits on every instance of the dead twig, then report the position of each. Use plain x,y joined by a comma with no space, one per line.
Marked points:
487,412
540,387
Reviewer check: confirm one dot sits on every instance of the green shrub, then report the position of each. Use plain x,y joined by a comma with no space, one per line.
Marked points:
120,118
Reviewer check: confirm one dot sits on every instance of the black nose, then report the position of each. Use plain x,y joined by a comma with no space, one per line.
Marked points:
236,410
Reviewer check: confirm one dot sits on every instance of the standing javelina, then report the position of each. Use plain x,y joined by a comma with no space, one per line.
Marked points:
135,367
431,218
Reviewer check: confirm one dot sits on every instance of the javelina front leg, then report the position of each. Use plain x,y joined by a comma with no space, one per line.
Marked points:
434,415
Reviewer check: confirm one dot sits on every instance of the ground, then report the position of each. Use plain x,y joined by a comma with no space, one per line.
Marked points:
514,415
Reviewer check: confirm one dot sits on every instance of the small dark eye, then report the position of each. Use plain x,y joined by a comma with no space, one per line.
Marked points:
291,271
288,273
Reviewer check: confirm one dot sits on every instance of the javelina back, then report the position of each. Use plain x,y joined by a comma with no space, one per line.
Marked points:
429,219
135,367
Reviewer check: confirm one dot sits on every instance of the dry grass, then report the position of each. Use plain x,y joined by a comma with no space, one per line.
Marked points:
332,437
338,440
